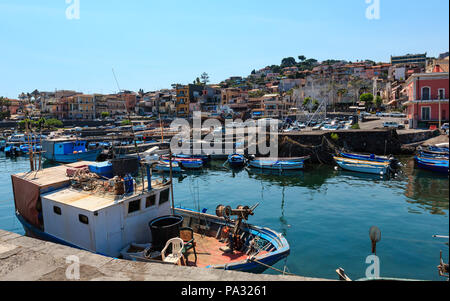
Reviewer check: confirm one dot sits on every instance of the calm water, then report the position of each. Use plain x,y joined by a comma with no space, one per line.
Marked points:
325,214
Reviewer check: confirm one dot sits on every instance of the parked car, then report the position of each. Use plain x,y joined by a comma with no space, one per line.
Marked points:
445,127
393,125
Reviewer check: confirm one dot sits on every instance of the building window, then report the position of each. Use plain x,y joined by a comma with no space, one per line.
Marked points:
150,201
83,219
164,197
134,206
425,93
426,113
441,93
57,210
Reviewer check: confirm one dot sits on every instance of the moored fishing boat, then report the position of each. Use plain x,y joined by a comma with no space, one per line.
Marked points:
394,163
70,206
25,148
205,159
364,166
184,162
165,167
68,150
278,163
12,151
439,165
236,160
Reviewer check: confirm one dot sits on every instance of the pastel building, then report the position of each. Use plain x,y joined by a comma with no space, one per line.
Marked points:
427,103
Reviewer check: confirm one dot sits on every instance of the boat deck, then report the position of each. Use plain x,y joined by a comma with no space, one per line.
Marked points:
50,176
209,253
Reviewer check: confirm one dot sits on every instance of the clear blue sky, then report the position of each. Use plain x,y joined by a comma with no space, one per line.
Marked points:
152,44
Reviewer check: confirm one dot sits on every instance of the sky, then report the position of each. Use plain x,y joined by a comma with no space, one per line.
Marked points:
153,44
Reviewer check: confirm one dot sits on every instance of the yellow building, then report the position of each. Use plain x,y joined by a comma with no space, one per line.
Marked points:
81,106
182,102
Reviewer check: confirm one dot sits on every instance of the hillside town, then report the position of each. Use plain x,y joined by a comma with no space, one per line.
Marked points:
413,84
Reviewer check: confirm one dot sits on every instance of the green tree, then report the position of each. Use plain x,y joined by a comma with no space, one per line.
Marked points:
53,123
306,101
378,101
288,62
302,58
105,115
126,122
315,104
366,98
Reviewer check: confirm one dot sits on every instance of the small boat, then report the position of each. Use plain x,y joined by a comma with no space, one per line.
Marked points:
185,163
12,151
206,159
25,148
236,160
279,163
439,165
364,166
394,163
67,150
165,167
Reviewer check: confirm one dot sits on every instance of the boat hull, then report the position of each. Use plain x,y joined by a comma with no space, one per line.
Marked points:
363,166
440,166
277,165
72,158
236,161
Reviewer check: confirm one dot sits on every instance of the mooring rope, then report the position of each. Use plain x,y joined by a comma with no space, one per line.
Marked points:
271,267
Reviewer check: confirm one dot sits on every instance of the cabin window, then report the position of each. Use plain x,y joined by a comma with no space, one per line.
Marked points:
57,210
83,219
164,196
134,206
150,201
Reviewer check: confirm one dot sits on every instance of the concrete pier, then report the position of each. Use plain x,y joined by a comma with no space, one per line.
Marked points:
28,259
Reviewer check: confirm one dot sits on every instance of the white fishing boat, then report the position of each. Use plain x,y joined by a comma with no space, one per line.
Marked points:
372,167
119,218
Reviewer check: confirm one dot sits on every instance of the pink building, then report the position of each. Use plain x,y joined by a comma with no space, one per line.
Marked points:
427,99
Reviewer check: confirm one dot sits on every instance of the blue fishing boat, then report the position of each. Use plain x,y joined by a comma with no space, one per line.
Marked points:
205,158
394,163
12,151
25,148
185,163
165,167
434,152
439,165
279,163
364,166
236,160
68,150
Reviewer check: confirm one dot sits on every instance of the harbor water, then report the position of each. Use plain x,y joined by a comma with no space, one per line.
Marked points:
324,213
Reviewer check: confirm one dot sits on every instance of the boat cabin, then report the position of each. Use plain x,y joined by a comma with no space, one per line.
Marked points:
55,204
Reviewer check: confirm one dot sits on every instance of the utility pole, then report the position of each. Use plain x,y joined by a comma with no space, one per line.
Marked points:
440,112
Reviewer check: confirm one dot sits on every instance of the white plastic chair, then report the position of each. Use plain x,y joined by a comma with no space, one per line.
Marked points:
177,251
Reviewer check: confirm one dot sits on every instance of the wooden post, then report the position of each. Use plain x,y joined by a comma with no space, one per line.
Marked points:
30,145
162,132
171,182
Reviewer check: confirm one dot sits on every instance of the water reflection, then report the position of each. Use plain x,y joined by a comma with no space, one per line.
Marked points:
426,190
